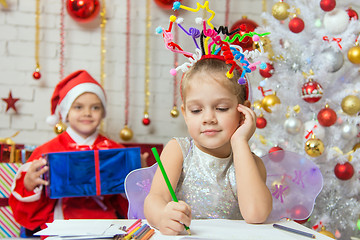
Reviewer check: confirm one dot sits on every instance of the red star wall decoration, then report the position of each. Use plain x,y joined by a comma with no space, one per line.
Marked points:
10,102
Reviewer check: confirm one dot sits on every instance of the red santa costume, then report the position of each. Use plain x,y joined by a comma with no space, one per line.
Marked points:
32,209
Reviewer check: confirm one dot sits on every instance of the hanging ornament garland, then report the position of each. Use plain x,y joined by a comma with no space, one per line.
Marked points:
174,111
10,101
36,74
227,12
146,119
102,42
126,133
62,38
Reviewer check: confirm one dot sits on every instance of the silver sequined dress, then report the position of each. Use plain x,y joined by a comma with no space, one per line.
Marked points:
207,183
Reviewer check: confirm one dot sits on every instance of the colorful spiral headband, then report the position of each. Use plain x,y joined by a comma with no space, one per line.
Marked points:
210,44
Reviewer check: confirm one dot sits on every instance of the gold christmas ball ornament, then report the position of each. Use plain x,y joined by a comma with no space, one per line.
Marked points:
314,147
126,133
174,112
350,104
354,54
60,127
269,101
257,104
326,232
280,10
356,146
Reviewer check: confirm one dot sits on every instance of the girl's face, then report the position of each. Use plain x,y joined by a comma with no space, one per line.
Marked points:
211,115
85,114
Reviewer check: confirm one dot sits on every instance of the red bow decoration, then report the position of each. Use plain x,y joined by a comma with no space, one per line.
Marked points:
100,146
338,40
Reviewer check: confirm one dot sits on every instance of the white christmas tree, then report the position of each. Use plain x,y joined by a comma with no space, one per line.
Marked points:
308,101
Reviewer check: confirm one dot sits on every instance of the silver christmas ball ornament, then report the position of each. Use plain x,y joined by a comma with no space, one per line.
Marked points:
333,60
292,125
348,131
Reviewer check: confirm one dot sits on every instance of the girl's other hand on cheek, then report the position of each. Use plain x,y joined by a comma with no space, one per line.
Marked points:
247,124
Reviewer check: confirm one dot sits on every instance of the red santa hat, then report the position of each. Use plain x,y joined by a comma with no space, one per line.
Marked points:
68,89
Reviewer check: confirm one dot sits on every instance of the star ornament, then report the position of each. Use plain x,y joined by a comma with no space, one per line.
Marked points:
10,101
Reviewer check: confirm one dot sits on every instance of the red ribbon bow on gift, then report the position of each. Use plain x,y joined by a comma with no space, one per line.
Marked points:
96,147
100,146
338,40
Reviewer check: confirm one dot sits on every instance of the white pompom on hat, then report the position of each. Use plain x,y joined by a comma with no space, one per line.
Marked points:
68,89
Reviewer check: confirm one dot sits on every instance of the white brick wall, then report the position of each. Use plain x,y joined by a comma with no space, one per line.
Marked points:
82,51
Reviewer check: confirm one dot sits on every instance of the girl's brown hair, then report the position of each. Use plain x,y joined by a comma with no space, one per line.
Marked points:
211,66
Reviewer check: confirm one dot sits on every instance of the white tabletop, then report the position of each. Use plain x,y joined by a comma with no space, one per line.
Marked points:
207,229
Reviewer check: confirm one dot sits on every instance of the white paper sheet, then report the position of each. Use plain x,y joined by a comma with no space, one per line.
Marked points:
85,227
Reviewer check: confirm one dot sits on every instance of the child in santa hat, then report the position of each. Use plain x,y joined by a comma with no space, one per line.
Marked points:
80,101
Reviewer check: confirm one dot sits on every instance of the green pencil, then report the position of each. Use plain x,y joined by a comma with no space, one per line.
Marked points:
156,155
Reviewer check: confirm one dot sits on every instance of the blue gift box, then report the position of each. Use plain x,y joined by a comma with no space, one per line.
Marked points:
89,173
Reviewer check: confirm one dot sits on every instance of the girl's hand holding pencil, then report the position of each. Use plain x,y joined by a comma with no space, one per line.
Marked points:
175,212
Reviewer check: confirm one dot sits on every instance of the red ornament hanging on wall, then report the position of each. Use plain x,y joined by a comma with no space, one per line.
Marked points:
83,10
244,25
311,91
344,171
327,5
146,120
166,4
37,74
296,25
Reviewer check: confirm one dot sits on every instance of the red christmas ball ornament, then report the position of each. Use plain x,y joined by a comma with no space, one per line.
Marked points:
37,75
352,14
83,10
311,91
146,120
302,221
276,154
268,71
299,212
327,5
244,25
261,122
327,117
296,25
344,171
166,4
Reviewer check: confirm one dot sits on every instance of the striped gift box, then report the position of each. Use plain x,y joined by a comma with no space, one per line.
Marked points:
8,226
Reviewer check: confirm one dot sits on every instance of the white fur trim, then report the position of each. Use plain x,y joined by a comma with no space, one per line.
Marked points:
37,190
75,92
52,120
58,212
